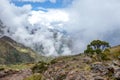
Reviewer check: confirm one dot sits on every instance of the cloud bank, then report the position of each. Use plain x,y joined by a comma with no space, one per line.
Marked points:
42,31
63,31
94,19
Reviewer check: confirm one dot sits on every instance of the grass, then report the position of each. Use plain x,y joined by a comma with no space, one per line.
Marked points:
17,66
37,76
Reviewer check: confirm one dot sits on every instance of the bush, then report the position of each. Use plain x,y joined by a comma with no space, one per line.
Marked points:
98,47
40,67
2,69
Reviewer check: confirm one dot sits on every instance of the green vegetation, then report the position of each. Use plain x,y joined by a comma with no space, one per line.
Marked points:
16,66
40,67
35,77
115,52
98,48
12,52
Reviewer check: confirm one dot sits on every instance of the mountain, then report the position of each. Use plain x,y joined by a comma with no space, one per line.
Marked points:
12,52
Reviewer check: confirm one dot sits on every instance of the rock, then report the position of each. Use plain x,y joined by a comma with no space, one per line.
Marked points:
111,69
119,57
98,78
76,76
116,63
2,74
87,60
117,74
7,72
99,68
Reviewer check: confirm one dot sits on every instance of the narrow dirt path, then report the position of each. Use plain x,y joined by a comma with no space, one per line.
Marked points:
18,76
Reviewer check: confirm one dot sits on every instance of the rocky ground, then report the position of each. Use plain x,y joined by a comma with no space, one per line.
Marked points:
15,75
79,67
83,68
70,68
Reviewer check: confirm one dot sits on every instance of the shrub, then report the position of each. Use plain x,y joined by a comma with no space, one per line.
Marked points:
98,47
40,67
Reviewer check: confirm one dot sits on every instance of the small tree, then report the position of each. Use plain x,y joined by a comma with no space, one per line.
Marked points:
97,47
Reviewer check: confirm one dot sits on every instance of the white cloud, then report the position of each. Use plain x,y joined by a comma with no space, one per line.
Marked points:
32,0
94,19
51,16
84,21
52,1
36,29
13,13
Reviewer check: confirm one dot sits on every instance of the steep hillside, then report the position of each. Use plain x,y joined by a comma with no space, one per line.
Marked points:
12,52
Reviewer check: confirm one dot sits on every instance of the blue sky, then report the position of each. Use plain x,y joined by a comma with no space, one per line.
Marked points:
46,4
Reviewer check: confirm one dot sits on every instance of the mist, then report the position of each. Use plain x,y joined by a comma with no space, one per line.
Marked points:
65,31
94,19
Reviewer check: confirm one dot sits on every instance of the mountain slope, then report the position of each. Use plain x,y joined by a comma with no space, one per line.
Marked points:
115,49
12,52
81,67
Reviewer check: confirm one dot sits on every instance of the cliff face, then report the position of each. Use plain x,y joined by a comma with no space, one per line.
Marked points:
12,52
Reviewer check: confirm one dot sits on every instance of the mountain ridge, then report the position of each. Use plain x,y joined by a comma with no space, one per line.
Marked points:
12,52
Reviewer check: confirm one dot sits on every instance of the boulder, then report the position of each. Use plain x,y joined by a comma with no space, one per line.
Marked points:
99,68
